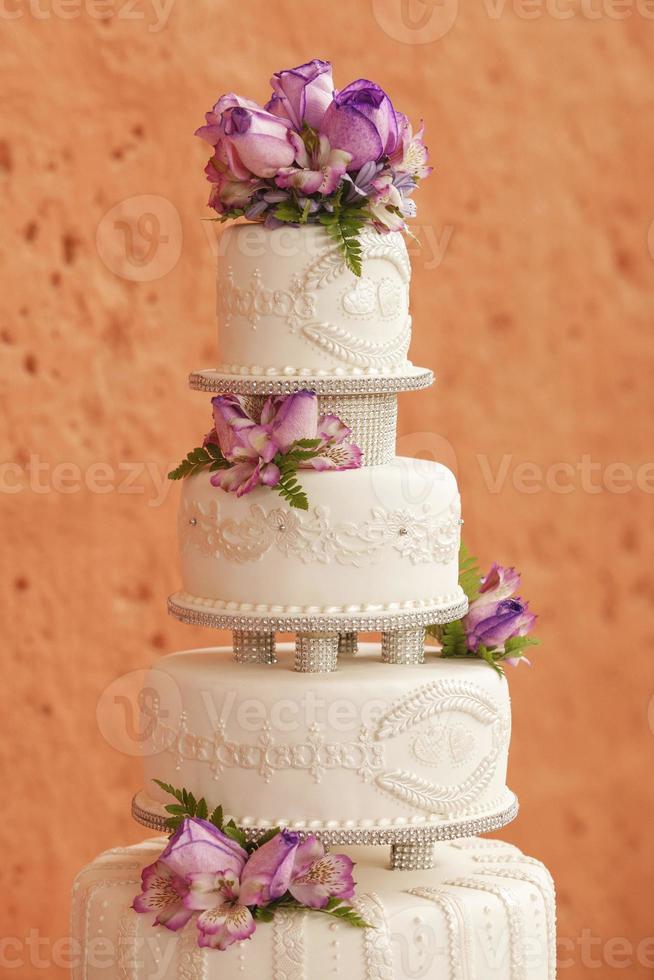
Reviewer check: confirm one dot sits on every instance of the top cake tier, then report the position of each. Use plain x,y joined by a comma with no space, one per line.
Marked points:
288,307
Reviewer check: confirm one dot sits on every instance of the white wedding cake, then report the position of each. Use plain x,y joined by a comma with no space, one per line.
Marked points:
326,794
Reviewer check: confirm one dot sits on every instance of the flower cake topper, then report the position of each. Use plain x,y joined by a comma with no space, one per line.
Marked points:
313,154
497,623
244,452
211,873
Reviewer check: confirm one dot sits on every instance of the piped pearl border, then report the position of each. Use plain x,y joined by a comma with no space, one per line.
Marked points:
364,622
407,833
413,379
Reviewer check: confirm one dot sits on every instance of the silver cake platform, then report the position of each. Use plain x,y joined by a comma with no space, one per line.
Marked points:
212,380
321,637
412,845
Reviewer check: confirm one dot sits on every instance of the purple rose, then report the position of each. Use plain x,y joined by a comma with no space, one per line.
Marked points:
493,624
496,615
250,140
198,846
302,94
269,870
362,121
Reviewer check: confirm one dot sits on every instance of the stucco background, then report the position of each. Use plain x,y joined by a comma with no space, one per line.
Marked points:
531,299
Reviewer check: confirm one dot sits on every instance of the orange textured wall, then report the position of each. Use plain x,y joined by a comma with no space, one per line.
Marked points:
532,300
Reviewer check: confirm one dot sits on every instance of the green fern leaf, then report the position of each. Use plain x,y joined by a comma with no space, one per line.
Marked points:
344,227
453,638
288,211
469,573
197,460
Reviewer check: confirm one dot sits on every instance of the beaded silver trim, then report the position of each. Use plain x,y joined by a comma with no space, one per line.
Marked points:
348,644
403,647
320,622
419,856
254,648
316,653
406,834
211,380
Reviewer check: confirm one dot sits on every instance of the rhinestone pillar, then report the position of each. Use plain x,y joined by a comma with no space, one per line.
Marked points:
418,856
347,644
316,653
403,646
254,648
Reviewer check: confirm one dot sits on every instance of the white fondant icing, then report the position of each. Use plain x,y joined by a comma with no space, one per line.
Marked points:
484,912
400,521
285,297
334,748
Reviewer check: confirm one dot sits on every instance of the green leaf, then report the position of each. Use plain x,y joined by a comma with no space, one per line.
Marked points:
263,914
344,226
469,573
517,643
489,656
168,788
288,211
290,490
177,809
235,833
216,818
198,459
453,638
202,810
346,913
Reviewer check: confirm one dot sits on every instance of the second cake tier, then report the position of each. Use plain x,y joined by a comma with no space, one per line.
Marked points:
378,539
373,752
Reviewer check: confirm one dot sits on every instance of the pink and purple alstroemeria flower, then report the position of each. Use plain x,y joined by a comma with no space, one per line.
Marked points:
497,615
203,871
311,146
252,446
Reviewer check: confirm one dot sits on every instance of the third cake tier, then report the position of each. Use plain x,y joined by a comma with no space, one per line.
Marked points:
364,754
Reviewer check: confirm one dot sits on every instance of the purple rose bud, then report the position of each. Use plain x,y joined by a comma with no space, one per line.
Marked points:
198,846
269,870
362,121
500,622
250,140
302,94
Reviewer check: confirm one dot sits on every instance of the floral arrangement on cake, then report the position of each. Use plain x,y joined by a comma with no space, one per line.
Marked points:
314,154
497,623
210,871
244,452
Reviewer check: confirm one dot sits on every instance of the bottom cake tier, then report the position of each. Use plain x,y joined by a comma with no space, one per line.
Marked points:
484,912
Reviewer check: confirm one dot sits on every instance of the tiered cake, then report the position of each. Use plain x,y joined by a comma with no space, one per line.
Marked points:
389,753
